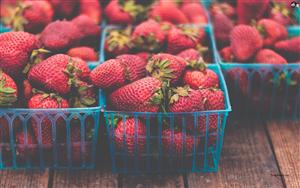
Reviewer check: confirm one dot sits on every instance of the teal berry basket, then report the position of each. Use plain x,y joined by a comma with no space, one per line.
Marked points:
151,151
207,28
4,29
62,152
264,91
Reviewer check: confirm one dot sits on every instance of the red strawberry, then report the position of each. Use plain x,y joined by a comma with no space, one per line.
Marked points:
58,73
200,77
168,12
166,67
222,28
195,12
267,56
60,36
115,73
271,31
123,12
64,9
83,52
26,147
148,36
281,14
46,101
177,143
222,8
190,55
183,38
144,55
118,42
226,54
15,50
251,9
143,95
245,41
290,46
131,128
91,8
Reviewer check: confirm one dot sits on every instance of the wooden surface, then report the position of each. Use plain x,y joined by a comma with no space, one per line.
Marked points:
253,155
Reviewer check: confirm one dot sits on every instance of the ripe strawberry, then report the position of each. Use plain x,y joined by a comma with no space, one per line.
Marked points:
267,56
289,46
15,50
168,12
64,9
271,31
148,36
183,38
245,41
46,101
222,8
118,72
281,14
83,52
222,28
195,12
166,67
177,144
123,12
200,77
131,128
226,54
118,42
26,147
251,9
59,36
143,95
58,73
91,8
191,55
144,55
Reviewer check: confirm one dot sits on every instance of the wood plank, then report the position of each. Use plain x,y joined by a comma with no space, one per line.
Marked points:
144,181
285,138
23,178
247,160
84,178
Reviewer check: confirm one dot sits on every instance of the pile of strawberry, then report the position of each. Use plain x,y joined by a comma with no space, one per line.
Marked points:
151,36
163,83
254,31
34,78
69,27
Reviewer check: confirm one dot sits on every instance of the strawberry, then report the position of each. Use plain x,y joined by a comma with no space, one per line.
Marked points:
118,72
130,136
64,9
245,41
83,52
267,56
289,46
251,9
8,90
144,55
58,73
190,55
183,38
195,12
123,12
118,42
148,36
226,54
143,95
281,14
222,8
271,31
168,12
166,67
177,143
26,147
60,36
91,8
27,89
15,50
222,28
46,101
200,77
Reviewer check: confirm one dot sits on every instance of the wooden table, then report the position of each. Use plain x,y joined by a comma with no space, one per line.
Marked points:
264,154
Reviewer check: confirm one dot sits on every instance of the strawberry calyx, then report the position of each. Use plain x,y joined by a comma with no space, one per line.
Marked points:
260,28
279,7
113,121
35,58
148,42
82,99
178,92
8,95
190,32
197,65
159,69
17,21
134,10
47,95
119,39
72,73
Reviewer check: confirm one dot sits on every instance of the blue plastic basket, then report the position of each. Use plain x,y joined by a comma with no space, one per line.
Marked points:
154,158
207,28
61,153
263,91
4,29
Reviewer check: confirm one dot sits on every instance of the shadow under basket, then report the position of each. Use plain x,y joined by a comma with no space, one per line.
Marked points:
166,142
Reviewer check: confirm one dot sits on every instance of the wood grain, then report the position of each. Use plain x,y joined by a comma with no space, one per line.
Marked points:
285,138
23,178
87,178
247,160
